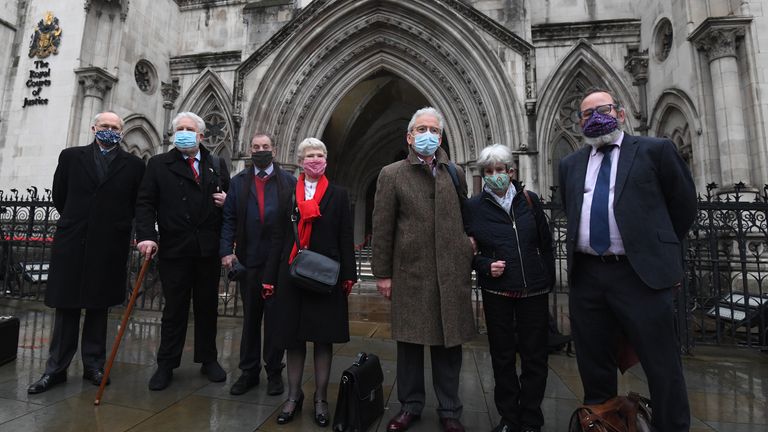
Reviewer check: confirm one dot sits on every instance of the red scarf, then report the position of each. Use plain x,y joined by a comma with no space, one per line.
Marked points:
309,210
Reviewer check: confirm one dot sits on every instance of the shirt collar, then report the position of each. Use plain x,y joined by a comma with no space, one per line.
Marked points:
197,156
269,170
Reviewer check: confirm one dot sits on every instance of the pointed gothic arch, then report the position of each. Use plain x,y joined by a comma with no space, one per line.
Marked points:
140,137
448,60
209,98
581,68
674,116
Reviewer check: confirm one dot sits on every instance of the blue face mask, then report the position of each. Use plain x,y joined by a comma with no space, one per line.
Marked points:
108,137
426,143
185,139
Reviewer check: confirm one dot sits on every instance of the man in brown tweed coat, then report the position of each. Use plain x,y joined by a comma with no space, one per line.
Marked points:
422,262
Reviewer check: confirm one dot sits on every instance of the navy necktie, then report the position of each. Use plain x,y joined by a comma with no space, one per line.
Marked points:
599,232
262,174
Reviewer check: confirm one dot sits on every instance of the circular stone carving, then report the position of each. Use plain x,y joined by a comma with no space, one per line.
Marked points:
662,39
146,76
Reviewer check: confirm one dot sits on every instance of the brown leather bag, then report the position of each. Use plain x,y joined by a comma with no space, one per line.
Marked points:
631,413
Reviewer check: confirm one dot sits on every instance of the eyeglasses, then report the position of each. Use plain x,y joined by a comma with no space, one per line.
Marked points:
423,129
105,126
602,109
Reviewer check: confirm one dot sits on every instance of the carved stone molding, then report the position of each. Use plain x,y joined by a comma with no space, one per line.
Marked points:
636,63
611,29
718,37
170,93
122,4
95,81
201,61
206,4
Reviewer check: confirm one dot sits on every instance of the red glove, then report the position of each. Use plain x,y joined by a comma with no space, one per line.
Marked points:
347,286
267,291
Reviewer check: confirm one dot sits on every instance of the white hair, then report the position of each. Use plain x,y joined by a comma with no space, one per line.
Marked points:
494,154
310,144
190,115
426,111
97,116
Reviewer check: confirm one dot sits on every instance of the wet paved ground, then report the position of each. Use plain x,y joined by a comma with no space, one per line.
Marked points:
728,387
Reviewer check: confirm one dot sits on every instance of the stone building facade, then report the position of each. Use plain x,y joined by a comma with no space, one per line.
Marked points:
351,72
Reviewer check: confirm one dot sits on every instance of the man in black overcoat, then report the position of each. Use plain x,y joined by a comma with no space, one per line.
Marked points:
94,191
630,201
252,212
183,192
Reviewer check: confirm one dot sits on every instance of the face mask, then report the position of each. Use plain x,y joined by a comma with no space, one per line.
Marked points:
497,182
315,167
426,143
108,137
599,124
185,139
262,159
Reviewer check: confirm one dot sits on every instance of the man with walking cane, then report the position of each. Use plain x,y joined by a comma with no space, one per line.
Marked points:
94,190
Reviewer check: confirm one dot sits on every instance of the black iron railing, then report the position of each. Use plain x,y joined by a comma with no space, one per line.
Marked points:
722,300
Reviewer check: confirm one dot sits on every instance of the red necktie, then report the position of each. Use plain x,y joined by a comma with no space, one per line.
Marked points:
191,163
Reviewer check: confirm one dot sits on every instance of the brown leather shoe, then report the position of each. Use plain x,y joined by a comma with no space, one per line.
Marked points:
402,421
451,425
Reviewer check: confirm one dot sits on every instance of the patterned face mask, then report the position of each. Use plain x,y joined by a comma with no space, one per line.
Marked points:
108,137
599,124
498,182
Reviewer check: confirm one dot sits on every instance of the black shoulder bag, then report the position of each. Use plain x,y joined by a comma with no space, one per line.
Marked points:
310,270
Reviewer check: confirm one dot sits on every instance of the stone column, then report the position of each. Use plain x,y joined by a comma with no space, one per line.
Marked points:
636,63
718,39
170,93
95,83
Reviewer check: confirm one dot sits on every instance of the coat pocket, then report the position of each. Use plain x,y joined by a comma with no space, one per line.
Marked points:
667,236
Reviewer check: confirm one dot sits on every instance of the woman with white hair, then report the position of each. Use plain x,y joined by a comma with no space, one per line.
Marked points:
324,226
515,268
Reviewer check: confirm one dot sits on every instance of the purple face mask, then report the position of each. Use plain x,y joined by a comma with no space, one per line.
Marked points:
599,124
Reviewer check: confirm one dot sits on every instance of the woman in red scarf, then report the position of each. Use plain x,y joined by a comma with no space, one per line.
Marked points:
325,226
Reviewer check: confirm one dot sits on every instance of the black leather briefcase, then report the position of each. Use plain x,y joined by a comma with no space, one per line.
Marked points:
9,338
361,396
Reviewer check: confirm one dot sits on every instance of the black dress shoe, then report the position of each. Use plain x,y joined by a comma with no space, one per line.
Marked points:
214,371
287,416
160,379
402,421
246,381
95,376
47,381
275,385
321,413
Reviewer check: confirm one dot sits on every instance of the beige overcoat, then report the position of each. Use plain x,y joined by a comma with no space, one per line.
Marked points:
419,242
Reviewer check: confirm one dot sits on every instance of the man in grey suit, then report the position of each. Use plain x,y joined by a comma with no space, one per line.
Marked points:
629,201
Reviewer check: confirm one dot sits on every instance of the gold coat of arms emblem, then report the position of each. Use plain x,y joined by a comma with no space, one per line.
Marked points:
46,38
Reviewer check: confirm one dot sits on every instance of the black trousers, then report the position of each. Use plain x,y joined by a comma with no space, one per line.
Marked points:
518,326
250,341
446,367
66,329
195,278
609,297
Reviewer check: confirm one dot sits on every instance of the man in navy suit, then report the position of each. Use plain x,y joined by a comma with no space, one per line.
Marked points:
258,196
629,201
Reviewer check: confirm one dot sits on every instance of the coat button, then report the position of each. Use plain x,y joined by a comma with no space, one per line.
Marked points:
186,216
183,198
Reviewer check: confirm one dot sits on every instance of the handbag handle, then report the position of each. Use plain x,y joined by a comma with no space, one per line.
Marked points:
361,358
294,220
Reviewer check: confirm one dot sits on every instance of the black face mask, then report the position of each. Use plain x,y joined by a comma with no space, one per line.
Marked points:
262,159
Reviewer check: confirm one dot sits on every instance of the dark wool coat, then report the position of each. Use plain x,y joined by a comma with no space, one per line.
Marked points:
93,234
419,242
520,237
189,221
296,315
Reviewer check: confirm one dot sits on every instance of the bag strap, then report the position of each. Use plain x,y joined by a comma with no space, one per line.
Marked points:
294,219
455,178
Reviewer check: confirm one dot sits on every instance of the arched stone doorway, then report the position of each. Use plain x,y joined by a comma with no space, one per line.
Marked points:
366,132
443,53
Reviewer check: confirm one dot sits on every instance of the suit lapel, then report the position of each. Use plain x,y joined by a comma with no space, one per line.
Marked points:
626,156
179,166
86,160
326,199
121,159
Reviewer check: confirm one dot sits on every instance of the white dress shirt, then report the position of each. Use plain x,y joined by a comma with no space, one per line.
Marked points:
593,167
310,187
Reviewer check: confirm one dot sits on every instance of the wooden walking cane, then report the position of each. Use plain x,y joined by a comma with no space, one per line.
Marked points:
126,315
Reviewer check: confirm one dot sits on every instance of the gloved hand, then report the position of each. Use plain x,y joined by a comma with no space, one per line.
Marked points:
267,291
347,286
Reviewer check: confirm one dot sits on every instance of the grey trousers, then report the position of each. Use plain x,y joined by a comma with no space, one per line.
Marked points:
446,367
66,329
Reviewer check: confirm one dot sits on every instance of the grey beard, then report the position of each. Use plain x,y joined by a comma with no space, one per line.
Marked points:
602,140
